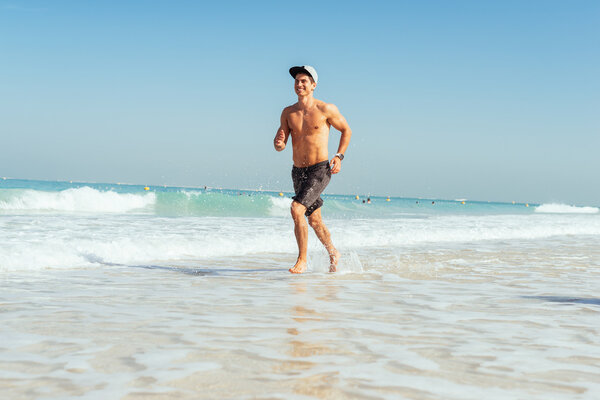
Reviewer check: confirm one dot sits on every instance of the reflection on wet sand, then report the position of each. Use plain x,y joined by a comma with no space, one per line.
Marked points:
440,323
307,343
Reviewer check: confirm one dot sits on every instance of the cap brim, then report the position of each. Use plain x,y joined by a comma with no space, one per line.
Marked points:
296,70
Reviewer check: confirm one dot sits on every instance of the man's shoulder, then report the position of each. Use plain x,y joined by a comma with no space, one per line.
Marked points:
327,108
290,108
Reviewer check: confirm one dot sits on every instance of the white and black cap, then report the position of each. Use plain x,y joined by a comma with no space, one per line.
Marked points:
305,69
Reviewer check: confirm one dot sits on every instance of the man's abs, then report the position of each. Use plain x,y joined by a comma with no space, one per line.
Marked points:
309,149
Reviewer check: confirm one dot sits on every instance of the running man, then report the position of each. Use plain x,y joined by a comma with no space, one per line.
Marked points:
308,122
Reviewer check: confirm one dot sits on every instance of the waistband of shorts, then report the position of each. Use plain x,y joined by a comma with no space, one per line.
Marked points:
314,166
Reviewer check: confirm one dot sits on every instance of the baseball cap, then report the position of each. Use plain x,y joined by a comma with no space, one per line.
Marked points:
307,69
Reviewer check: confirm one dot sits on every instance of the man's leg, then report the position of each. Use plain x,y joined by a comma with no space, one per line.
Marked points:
301,232
316,222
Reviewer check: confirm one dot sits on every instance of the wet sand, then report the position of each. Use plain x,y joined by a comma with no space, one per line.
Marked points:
496,321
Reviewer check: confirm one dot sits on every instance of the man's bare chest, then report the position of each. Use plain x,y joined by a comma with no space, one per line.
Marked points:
307,122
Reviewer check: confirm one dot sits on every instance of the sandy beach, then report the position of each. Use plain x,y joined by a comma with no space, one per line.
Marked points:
445,323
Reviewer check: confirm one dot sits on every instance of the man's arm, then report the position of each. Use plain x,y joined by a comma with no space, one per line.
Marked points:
281,137
338,121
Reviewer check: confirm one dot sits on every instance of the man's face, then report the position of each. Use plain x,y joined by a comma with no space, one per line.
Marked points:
303,85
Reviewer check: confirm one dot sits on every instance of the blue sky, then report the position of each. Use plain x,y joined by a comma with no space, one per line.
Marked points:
492,100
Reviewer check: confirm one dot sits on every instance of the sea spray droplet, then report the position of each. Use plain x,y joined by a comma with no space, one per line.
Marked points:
318,262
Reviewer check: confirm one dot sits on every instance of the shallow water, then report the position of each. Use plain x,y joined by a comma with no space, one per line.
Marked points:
451,322
102,300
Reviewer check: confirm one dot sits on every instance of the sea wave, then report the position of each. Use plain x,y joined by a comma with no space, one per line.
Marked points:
215,204
83,199
85,240
555,208
280,206
177,203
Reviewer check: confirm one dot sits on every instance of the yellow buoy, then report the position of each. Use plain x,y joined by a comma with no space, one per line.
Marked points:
146,188
462,202
357,197
388,199
281,194
527,205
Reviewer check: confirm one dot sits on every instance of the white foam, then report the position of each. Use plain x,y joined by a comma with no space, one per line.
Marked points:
555,208
80,240
280,206
84,199
462,229
318,261
191,194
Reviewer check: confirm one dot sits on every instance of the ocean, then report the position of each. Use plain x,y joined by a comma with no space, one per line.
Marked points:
129,291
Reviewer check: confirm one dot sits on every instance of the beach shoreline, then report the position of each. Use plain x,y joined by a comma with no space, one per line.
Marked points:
187,294
477,323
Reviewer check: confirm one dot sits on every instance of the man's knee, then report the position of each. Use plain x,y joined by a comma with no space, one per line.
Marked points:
297,210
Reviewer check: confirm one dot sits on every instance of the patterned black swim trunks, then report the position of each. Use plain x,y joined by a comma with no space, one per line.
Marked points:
309,183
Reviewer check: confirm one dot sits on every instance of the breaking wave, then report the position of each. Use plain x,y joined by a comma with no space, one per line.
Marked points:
84,199
554,208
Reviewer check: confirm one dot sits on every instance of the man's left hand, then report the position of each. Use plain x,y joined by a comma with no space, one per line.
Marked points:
335,164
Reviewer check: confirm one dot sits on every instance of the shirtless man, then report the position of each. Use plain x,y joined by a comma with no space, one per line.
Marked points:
308,122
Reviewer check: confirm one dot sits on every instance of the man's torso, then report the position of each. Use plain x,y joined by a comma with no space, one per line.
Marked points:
309,130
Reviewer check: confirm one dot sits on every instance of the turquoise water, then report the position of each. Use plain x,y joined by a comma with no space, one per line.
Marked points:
114,291
69,224
20,195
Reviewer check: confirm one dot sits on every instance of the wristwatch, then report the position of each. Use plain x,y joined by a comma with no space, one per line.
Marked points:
340,156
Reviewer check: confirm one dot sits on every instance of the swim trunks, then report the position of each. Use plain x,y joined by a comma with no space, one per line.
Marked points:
309,183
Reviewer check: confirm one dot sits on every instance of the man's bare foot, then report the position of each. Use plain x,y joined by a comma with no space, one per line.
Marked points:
334,258
299,268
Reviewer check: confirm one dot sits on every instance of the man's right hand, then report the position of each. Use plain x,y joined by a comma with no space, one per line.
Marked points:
279,140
